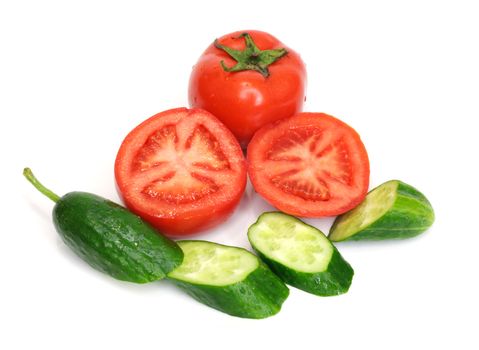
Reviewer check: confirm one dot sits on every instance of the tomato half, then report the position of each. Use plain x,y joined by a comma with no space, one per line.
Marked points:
181,170
248,79
309,165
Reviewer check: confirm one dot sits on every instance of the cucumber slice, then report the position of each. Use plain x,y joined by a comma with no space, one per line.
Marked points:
229,279
300,254
391,210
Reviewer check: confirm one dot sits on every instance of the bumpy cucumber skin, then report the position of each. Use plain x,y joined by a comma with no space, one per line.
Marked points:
260,295
113,240
410,215
335,280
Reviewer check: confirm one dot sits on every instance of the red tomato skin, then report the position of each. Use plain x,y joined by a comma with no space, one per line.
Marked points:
245,101
182,226
297,206
180,221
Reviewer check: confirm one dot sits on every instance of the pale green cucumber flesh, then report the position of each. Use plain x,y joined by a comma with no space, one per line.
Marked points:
291,242
300,254
214,264
229,279
391,210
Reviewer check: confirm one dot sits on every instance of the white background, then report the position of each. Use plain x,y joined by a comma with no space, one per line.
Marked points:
75,77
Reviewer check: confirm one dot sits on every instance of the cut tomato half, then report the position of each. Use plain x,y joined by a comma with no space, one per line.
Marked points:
309,165
181,170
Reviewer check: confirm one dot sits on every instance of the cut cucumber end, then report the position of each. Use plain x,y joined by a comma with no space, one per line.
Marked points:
229,279
391,210
213,264
291,242
374,206
300,254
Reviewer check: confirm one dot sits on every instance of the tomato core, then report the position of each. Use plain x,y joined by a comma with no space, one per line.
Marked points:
178,170
313,163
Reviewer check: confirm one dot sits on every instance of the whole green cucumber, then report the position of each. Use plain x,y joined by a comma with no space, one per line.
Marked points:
110,238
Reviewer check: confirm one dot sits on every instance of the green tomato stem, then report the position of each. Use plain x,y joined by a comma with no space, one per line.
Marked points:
27,172
251,58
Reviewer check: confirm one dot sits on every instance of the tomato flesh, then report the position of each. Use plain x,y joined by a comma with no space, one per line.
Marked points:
181,170
309,165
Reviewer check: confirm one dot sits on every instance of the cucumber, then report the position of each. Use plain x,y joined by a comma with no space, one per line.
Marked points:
110,238
300,254
229,279
393,210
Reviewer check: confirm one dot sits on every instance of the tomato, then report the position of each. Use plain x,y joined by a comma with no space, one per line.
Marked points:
309,165
181,170
248,79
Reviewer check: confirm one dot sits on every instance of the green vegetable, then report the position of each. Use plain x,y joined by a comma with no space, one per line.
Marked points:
300,254
229,279
110,238
391,210
251,58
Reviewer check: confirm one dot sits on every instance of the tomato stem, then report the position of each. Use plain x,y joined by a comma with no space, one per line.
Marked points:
27,172
251,58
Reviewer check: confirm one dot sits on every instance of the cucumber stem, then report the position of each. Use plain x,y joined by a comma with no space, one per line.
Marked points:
27,172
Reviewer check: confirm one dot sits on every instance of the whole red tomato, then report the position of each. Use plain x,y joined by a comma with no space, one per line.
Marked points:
248,79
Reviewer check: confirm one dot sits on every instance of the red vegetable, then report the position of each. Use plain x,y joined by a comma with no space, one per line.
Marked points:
182,170
247,80
309,165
